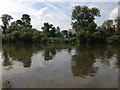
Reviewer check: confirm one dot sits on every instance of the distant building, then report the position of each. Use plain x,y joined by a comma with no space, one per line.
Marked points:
64,32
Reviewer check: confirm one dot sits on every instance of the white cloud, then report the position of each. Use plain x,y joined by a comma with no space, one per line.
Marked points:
18,7
114,13
43,11
49,12
15,8
73,4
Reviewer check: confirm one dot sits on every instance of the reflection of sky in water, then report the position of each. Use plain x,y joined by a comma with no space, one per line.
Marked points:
57,72
38,60
112,62
73,52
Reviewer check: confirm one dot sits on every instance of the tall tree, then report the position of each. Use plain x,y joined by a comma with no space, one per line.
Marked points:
82,16
5,20
53,32
46,27
26,20
19,22
117,20
91,27
108,24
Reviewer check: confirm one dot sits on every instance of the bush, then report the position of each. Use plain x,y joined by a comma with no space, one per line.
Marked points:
18,33
36,38
114,39
81,36
6,38
44,40
97,37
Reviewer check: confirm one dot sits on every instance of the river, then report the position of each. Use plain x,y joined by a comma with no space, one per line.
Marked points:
60,65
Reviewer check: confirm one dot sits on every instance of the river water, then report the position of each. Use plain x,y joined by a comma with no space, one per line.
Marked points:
60,66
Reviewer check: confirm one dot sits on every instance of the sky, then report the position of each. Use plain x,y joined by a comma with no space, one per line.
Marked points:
56,12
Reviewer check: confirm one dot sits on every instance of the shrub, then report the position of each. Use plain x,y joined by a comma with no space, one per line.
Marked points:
114,39
97,37
44,39
81,36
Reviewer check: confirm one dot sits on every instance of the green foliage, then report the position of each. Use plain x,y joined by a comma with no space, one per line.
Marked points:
114,39
52,32
82,16
108,23
97,37
69,34
106,33
83,36
44,40
21,34
49,30
117,20
46,27
91,27
83,22
26,20
5,20
6,37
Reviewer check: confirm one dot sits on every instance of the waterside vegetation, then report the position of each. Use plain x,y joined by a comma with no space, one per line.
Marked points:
83,22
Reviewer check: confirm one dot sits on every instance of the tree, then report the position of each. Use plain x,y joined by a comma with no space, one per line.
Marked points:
108,24
108,27
117,20
91,27
5,19
46,28
26,20
82,16
53,32
19,22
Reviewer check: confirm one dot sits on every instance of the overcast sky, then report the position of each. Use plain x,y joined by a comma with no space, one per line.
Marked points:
56,12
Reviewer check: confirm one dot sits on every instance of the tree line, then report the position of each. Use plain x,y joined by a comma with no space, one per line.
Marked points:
87,31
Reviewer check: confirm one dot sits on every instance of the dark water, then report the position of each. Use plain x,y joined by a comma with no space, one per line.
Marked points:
60,66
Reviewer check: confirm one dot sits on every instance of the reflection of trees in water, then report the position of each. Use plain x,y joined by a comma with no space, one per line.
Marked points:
82,62
111,56
51,50
19,52
82,67
24,52
6,59
6,85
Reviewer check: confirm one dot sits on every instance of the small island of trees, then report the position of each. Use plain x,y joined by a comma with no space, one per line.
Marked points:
86,30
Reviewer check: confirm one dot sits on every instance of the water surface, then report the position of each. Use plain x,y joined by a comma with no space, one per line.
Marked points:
60,66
